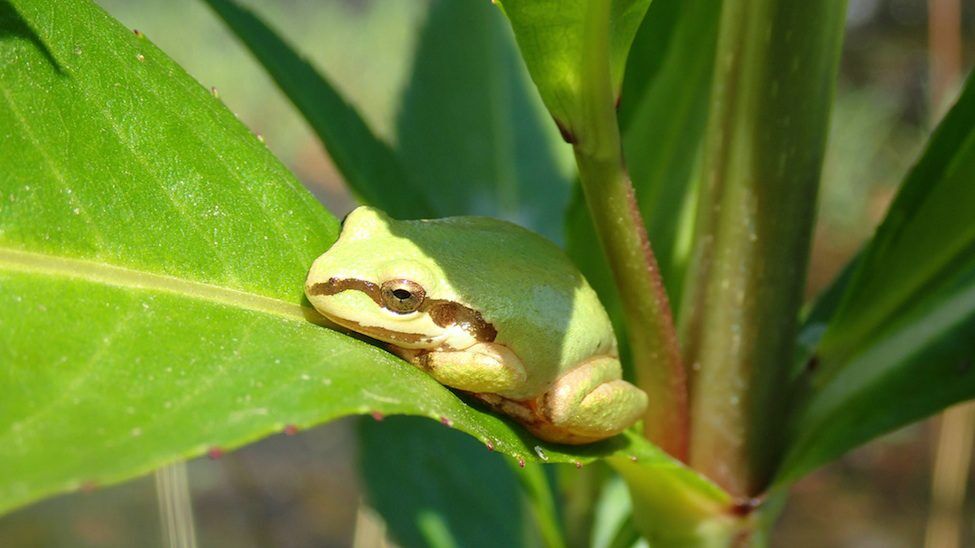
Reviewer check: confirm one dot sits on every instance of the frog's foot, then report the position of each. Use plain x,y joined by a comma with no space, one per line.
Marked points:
484,367
587,404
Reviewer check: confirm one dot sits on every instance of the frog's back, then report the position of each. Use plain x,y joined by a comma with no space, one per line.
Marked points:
523,284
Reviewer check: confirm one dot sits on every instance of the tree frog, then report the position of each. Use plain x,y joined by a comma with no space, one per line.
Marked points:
486,307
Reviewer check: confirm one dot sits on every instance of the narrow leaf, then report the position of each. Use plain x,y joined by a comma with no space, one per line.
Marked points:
368,164
472,131
900,343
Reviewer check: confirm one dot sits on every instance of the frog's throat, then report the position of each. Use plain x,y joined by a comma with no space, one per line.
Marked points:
444,313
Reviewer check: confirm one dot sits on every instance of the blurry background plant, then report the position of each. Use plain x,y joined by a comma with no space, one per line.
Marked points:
413,70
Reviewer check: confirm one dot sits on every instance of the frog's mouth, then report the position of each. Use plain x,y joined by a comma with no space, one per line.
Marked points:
396,338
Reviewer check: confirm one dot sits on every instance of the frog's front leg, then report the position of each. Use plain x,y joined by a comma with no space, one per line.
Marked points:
589,403
483,367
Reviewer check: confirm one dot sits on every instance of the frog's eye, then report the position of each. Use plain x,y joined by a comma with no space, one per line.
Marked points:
402,296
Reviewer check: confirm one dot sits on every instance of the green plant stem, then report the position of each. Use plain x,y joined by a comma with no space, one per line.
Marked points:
538,493
771,96
609,195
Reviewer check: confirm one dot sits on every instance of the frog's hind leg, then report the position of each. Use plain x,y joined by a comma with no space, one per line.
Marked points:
588,403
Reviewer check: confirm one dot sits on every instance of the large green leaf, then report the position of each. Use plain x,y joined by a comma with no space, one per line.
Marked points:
152,254
369,165
901,342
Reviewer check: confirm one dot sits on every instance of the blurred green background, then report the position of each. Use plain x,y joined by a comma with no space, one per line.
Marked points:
303,490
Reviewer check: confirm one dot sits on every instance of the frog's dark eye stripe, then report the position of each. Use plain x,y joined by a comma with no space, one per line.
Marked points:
402,296
338,285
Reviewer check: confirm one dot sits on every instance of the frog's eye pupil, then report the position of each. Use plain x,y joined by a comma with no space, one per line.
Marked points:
402,296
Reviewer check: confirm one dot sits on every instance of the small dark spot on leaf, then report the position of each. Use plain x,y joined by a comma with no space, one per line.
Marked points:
215,453
290,430
137,32
521,462
490,445
446,422
567,135
812,364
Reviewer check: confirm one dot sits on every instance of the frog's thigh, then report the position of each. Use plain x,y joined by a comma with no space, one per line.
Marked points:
592,401
484,367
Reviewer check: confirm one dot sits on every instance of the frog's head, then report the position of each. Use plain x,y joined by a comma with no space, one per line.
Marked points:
382,285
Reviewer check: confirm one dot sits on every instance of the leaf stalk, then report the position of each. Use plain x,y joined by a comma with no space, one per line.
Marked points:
622,233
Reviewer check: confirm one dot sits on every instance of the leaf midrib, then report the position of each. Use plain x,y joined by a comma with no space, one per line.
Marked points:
119,276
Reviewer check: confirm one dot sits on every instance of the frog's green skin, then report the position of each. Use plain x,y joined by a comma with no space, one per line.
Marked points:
501,313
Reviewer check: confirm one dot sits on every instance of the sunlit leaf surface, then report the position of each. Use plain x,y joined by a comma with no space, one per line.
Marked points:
152,254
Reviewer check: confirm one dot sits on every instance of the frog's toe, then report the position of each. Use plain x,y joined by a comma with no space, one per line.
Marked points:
588,404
